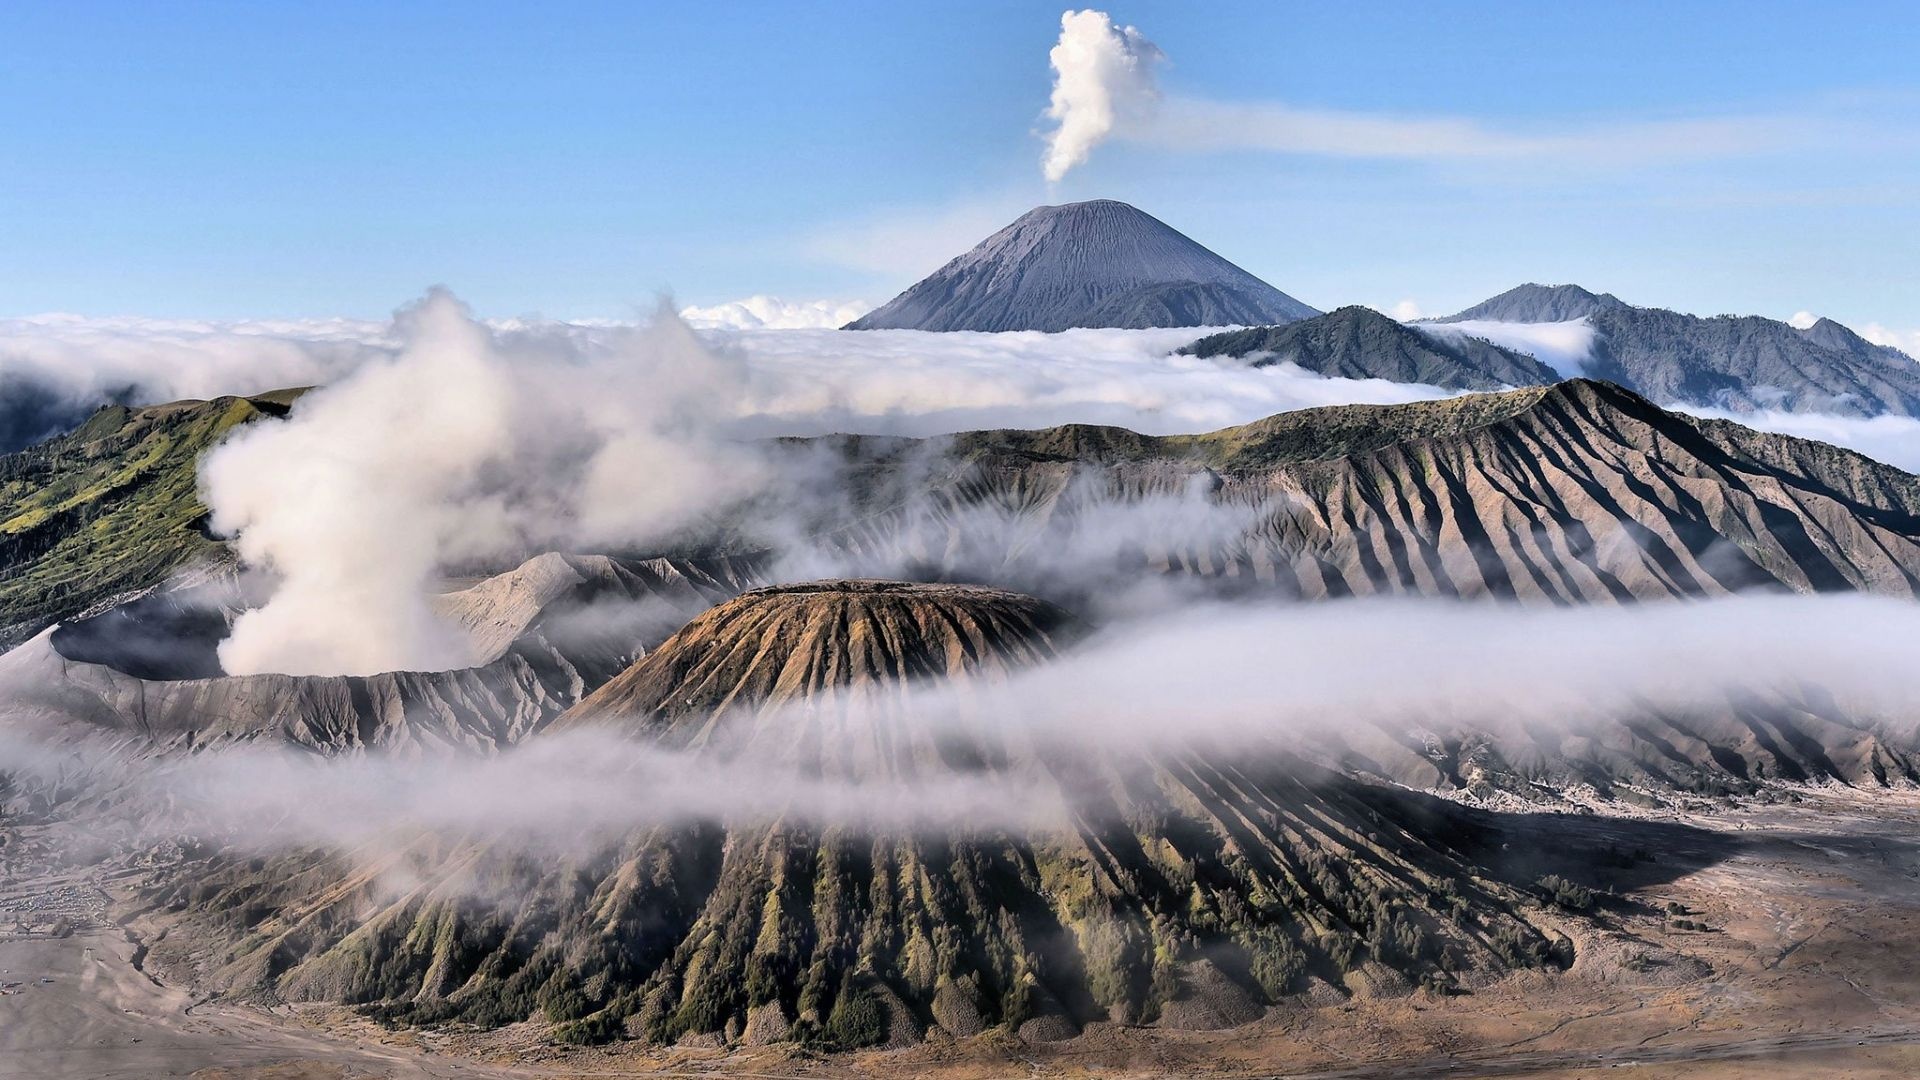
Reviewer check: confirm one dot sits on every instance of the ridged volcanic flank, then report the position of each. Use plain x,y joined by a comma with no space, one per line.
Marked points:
1088,264
794,642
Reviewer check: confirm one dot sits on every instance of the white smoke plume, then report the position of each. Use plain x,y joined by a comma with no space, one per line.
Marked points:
469,444
1106,86
444,441
1103,78
473,444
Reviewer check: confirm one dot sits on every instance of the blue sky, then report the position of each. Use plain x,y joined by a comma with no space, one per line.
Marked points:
236,160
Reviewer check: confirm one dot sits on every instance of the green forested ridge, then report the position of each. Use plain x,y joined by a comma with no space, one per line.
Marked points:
111,508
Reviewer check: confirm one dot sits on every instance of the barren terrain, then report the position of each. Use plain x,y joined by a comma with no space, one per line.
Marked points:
1776,931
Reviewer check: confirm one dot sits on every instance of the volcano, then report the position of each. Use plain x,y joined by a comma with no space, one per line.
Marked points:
1173,887
1086,264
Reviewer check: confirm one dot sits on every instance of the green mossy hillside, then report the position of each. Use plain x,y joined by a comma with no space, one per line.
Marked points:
109,509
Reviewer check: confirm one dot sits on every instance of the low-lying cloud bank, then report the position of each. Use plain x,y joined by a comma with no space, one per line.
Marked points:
1563,346
462,442
56,369
773,313
1224,681
442,440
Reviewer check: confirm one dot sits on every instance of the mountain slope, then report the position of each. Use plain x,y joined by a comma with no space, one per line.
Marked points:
927,631
1532,303
1747,362
1831,335
1578,492
1090,264
1361,343
109,509
1172,887
1739,363
544,635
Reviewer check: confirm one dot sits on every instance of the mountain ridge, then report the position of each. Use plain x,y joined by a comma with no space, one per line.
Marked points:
1532,303
1357,342
1741,363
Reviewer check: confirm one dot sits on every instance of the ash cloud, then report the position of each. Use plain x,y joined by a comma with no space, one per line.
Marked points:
1106,86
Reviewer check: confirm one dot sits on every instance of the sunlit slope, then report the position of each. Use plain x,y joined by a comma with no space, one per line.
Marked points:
1577,492
109,509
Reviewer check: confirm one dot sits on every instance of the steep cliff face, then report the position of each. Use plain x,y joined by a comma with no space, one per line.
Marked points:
1090,264
1746,363
1576,494
1579,492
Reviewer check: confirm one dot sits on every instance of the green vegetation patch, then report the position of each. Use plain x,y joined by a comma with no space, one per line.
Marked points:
109,509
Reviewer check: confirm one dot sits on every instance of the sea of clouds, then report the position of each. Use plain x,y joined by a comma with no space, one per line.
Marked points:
438,438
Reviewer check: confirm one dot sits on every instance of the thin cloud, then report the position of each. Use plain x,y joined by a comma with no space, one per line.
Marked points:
1907,341
773,313
1106,86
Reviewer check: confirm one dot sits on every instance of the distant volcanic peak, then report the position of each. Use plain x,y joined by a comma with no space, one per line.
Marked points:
795,642
1842,338
1532,303
1089,264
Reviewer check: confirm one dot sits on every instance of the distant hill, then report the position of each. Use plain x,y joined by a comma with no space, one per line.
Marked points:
1736,362
1088,264
1360,343
1532,303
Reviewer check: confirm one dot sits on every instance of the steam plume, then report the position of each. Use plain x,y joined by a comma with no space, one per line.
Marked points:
1103,75
469,444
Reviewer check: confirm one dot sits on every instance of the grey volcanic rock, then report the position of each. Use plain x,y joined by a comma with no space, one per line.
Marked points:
1547,494
1532,303
910,632
1740,363
545,635
1361,343
685,931
1748,362
1088,264
1580,493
